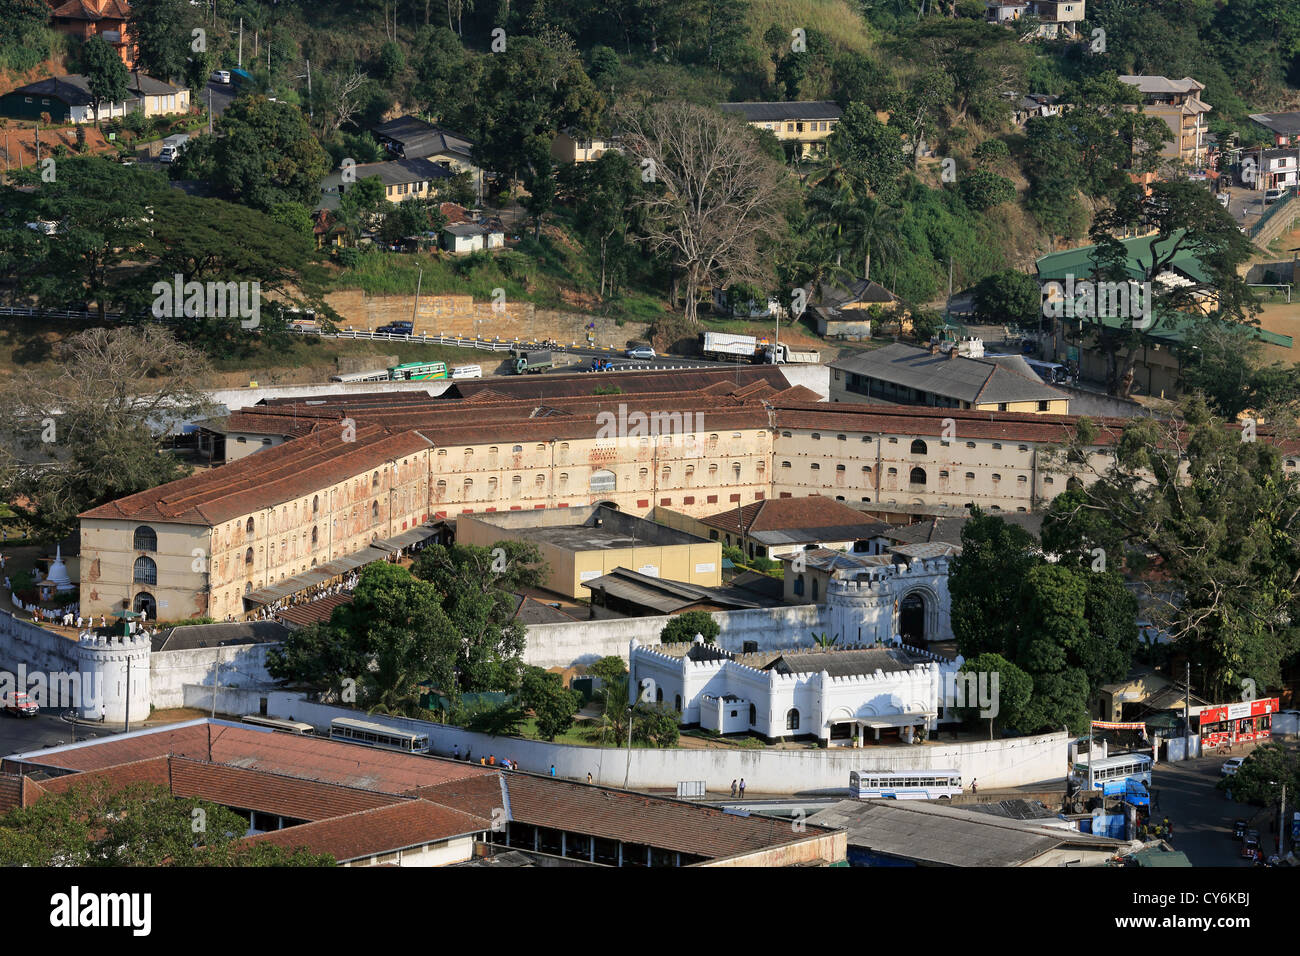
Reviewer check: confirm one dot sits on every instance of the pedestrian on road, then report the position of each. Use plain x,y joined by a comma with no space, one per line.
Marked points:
733,788
742,788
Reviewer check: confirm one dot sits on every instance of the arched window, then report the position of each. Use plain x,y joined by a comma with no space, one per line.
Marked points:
917,476
816,586
753,715
314,535
792,719
374,510
145,571
146,539
248,556
603,480
249,527
677,703
248,586
918,447
659,695
315,504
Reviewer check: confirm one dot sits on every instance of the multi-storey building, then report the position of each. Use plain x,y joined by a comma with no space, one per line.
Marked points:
357,469
1178,103
802,128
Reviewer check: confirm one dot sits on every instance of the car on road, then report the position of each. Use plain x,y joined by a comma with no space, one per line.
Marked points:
1239,829
1231,766
641,352
20,705
397,328
1250,843
1273,194
221,76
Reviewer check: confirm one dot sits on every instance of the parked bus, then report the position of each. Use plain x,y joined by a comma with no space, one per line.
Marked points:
905,784
1112,775
1053,373
418,371
288,726
377,375
377,735
1228,724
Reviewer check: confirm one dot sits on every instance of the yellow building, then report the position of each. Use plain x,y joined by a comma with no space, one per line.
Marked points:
577,146
802,128
582,544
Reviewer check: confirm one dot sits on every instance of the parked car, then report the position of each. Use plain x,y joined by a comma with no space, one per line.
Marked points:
221,76
1231,766
20,705
1239,829
397,328
1274,194
641,352
1224,199
1250,843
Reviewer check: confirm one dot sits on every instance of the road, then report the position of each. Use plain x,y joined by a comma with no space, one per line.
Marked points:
220,95
1202,817
19,734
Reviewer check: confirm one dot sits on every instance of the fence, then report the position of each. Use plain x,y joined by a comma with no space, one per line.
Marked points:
1280,215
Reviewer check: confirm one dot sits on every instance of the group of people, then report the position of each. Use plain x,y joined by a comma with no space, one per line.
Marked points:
738,790
1156,830
64,615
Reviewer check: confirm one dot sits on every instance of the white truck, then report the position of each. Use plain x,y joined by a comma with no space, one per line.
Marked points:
784,354
729,346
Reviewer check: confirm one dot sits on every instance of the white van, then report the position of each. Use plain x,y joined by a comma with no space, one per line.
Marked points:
467,371
168,154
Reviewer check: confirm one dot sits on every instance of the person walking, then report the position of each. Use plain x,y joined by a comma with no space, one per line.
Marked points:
733,788
742,788
974,786
588,777
552,770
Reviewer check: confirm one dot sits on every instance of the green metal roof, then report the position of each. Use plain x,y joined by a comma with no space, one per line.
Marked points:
1155,856
1078,262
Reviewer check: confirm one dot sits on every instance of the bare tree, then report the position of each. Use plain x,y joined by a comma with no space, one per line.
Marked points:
347,102
714,198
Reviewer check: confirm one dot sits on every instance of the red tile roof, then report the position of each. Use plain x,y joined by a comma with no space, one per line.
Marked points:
313,612
269,792
780,514
405,825
272,476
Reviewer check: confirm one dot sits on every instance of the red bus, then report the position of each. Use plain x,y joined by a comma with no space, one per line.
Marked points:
1234,723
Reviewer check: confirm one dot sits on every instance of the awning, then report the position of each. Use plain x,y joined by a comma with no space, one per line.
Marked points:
895,720
316,576
408,538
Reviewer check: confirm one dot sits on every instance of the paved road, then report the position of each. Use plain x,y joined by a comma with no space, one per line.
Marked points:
34,733
221,94
1202,817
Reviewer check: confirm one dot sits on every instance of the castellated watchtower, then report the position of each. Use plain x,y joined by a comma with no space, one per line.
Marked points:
875,604
108,667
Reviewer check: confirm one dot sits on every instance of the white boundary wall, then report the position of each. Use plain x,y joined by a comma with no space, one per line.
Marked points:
998,763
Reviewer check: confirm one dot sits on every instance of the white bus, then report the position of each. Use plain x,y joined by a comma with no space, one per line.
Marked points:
904,784
289,726
379,375
1110,774
377,735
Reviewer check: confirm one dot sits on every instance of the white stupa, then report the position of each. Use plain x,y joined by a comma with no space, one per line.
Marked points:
58,575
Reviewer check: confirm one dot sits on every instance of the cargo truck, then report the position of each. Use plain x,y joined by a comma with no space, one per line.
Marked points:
528,361
784,354
729,347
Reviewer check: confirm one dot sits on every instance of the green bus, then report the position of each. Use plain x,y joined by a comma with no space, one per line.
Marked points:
417,371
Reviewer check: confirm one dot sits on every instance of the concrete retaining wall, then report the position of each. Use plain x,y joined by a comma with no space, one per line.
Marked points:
1001,763
242,665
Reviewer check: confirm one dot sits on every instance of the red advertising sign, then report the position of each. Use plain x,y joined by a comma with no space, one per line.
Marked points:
1243,721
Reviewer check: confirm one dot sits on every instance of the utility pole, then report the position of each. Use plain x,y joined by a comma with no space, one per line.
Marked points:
311,116
209,110
1187,713
628,771
216,684
241,43
415,309
1281,818
128,694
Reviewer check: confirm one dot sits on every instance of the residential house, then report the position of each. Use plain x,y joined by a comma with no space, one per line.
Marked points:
463,238
402,178
106,19
802,128
67,99
1056,18
960,377
156,97
1285,127
1178,103
573,145
409,137
842,310
1034,105
1270,168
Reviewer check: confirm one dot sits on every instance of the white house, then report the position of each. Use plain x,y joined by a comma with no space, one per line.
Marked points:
466,237
840,696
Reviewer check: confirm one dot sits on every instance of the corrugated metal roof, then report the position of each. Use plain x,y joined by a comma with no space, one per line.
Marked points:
966,379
